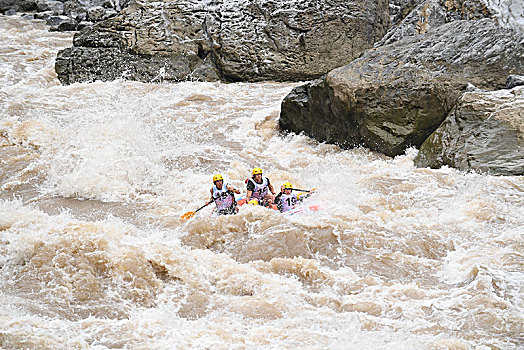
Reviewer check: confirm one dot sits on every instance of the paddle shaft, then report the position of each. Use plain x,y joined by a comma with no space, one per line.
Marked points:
202,207
298,189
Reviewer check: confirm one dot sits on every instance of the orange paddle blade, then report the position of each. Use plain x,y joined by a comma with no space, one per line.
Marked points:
188,215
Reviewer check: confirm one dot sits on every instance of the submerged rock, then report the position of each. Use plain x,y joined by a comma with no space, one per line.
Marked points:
231,40
484,132
396,95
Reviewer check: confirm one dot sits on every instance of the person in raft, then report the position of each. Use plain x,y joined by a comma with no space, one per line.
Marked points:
223,196
286,199
259,188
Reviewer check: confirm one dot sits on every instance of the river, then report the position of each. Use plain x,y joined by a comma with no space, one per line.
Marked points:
93,254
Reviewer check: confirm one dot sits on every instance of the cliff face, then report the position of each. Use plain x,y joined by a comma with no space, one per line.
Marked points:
229,40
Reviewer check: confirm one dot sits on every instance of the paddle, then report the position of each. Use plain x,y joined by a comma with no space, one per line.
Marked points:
190,214
300,194
298,189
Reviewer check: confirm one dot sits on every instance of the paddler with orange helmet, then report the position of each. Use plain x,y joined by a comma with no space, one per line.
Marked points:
223,196
259,188
286,199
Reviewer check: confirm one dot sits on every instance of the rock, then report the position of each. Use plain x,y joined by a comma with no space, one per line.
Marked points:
399,9
62,24
48,5
484,132
55,21
118,65
95,14
514,80
17,5
396,95
52,10
434,13
8,5
240,40
313,108
46,15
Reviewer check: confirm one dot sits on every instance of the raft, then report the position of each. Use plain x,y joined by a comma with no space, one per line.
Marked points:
300,209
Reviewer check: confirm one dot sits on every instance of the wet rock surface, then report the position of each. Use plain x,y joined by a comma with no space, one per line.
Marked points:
484,132
396,95
228,40
514,80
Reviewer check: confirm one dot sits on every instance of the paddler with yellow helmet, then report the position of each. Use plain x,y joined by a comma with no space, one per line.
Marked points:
286,199
223,196
259,188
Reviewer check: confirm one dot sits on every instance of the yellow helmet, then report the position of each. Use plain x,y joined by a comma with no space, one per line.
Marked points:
287,185
217,177
257,171
253,202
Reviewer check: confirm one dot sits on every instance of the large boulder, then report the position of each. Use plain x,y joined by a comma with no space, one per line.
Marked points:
396,95
484,132
233,40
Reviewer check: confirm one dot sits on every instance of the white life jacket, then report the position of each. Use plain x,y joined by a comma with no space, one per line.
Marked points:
288,201
260,190
223,198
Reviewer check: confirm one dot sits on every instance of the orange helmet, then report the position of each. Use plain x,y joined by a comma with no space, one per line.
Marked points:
257,171
217,177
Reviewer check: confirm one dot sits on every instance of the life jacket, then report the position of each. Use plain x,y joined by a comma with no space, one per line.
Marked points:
223,198
287,202
260,190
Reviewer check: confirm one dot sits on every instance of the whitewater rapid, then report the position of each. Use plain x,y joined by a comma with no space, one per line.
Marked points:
93,254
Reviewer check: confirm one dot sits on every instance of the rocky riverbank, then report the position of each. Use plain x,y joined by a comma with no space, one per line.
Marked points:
385,75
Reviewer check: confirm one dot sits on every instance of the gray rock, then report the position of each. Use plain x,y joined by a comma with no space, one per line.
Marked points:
44,15
434,13
95,14
55,21
396,95
49,5
8,5
52,10
17,5
114,65
514,80
241,40
62,24
399,9
484,132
